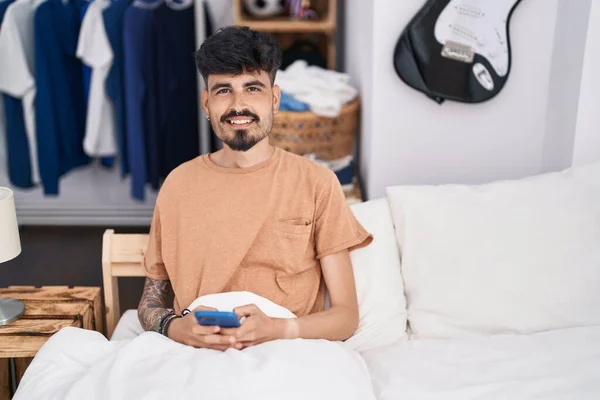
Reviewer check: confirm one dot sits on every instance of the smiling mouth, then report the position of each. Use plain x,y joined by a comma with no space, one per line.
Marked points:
240,122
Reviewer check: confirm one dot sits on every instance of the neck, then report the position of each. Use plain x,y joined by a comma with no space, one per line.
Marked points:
243,159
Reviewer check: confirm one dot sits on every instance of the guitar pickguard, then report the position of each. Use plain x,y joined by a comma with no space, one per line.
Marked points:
480,25
457,49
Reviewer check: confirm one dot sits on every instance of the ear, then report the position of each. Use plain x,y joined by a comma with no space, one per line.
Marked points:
276,97
204,100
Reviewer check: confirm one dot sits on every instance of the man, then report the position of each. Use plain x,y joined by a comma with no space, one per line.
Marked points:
250,217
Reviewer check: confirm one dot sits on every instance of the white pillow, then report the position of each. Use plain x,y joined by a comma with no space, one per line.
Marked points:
229,300
380,292
510,257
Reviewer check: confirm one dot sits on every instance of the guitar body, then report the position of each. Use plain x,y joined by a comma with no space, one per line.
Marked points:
457,49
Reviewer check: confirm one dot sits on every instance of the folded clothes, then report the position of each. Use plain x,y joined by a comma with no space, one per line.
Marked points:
325,91
288,103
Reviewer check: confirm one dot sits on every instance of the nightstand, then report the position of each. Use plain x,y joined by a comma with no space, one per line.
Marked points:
47,310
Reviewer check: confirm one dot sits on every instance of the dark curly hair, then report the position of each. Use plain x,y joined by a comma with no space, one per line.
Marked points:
237,49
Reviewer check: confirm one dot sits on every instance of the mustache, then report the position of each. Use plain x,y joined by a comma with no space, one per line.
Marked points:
243,113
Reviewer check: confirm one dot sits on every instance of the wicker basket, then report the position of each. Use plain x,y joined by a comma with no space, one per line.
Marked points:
306,132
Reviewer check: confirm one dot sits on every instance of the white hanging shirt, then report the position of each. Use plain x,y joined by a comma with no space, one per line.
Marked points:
220,11
17,66
3,152
94,50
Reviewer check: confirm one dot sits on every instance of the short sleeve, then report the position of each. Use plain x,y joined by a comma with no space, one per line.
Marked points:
93,46
336,226
16,78
153,262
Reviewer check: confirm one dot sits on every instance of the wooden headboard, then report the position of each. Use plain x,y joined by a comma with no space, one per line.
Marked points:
122,256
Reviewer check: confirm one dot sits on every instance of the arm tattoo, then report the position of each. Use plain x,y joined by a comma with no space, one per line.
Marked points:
153,305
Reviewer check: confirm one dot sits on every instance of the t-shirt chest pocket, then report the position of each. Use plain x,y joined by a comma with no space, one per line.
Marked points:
286,242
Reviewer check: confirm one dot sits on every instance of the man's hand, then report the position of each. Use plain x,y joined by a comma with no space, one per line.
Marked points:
256,328
186,330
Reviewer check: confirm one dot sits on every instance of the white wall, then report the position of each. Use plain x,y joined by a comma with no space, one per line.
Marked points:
407,138
358,64
587,138
569,47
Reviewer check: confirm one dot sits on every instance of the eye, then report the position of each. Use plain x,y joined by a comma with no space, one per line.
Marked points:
221,91
253,89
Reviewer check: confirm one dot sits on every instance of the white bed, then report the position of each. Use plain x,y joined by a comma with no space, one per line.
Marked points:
551,365
558,364
467,292
128,326
562,364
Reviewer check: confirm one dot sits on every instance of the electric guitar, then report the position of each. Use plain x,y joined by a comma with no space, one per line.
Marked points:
457,49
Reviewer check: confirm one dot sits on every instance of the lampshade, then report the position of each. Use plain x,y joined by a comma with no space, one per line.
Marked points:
10,243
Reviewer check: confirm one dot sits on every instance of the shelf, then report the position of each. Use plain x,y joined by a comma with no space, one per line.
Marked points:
327,24
287,25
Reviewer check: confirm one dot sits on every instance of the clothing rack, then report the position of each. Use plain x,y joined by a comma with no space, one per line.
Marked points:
94,195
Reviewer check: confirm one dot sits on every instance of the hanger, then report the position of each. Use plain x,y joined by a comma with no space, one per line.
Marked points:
179,4
147,4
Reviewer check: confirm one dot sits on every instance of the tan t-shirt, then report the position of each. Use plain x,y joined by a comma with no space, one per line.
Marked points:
261,229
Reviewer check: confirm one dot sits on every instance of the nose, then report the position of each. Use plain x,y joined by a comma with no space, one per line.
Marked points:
238,102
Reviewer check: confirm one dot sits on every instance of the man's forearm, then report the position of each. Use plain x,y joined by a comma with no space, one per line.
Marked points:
153,304
336,323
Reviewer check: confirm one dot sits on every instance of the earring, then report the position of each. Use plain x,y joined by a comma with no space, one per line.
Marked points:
208,118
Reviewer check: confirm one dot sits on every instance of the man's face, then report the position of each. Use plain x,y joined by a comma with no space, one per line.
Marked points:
241,108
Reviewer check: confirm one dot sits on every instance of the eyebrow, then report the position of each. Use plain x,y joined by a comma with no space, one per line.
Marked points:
220,85
254,83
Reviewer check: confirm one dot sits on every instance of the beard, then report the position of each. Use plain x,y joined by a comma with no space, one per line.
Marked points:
243,139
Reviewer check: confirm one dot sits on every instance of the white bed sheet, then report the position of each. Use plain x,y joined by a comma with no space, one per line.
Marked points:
562,364
128,326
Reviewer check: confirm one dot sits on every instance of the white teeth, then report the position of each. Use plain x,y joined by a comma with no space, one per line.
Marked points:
240,121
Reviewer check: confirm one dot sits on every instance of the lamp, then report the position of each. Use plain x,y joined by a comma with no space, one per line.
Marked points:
10,247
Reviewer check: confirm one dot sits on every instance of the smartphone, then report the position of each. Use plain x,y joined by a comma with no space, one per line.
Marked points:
224,319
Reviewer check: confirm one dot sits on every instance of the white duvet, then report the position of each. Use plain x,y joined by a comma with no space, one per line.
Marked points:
79,364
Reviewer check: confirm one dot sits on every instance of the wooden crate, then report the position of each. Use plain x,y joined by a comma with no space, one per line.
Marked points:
47,310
